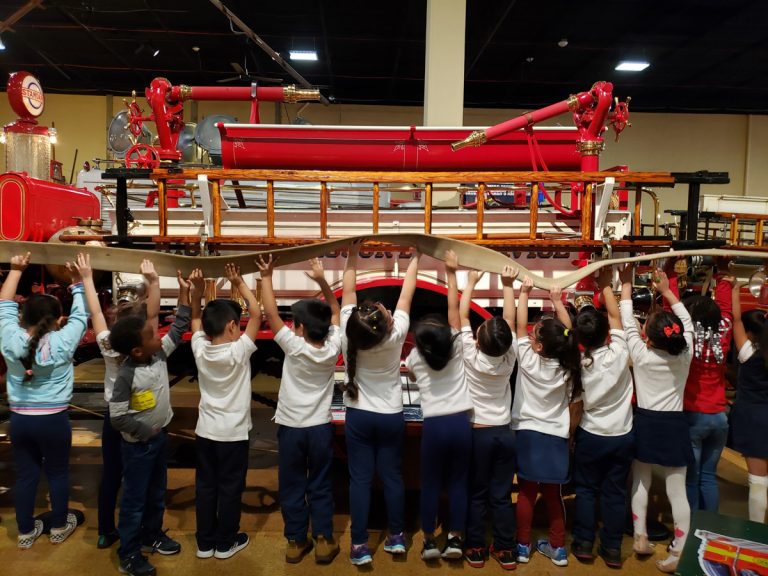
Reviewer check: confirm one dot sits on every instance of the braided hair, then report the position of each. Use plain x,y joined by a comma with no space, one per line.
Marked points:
41,313
367,327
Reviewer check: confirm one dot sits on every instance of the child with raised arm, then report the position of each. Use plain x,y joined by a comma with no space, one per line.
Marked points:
305,436
40,378
222,355
489,361
749,414
140,409
112,461
372,342
604,442
660,366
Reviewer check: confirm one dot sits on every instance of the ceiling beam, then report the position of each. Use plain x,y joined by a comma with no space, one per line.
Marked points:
19,14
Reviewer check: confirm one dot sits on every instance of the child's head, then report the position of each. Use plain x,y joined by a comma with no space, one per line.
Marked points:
311,319
591,327
756,326
664,331
494,337
369,324
705,311
134,336
118,311
221,318
551,339
434,341
40,315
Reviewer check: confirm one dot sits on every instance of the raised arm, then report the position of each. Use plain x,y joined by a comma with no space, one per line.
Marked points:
77,321
466,297
409,284
19,263
451,263
349,281
198,289
739,332
522,307
180,325
637,347
147,269
508,275
318,275
662,285
83,265
254,311
604,281
266,267
556,297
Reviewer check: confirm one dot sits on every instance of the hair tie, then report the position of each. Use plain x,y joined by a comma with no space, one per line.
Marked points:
29,372
669,330
373,328
566,332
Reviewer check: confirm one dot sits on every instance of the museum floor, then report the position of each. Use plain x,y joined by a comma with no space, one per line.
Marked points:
261,515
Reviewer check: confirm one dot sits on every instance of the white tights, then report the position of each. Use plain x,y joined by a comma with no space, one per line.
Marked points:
681,511
758,499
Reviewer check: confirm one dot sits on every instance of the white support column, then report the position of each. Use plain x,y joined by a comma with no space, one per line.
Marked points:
444,65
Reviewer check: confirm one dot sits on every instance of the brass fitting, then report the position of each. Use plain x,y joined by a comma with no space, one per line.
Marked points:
573,102
291,94
590,147
185,92
477,138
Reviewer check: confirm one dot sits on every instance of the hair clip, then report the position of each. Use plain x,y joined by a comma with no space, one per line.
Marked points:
669,330
566,332
29,372
373,328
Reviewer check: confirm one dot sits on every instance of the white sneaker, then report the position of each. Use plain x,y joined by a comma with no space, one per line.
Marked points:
25,541
58,535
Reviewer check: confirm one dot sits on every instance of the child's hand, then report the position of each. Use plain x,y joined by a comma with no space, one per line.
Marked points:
605,276
416,254
74,273
508,275
626,273
147,270
266,267
354,247
527,285
660,281
184,284
198,281
474,277
317,274
729,278
20,261
232,272
451,261
82,266
556,295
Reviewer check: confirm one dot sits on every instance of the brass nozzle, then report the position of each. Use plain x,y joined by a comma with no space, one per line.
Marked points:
477,138
291,94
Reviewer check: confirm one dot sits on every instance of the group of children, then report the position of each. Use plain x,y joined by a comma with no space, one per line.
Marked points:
573,393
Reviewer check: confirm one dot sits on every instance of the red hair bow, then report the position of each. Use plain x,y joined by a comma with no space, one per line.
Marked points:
669,330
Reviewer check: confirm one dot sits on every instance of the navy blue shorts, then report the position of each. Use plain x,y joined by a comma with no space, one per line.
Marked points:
542,457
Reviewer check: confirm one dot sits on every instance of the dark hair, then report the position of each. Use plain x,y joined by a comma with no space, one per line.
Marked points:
755,322
591,327
126,334
314,315
559,342
666,332
494,337
434,340
218,313
367,326
705,311
40,312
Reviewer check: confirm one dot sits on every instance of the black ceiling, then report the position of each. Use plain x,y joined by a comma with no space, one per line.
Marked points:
705,56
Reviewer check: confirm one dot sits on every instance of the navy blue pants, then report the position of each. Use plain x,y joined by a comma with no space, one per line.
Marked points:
219,484
601,467
145,476
41,443
492,471
375,445
305,479
111,475
446,448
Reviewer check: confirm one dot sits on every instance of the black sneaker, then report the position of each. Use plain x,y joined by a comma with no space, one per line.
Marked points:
137,565
106,540
430,551
453,548
163,544
241,541
582,550
506,558
475,557
611,556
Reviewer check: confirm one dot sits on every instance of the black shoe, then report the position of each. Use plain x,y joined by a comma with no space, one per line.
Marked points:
137,565
582,550
106,540
162,544
241,541
611,556
453,549
475,557
430,551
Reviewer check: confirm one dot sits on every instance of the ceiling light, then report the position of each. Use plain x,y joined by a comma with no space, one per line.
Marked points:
303,55
2,44
563,42
195,48
631,66
156,52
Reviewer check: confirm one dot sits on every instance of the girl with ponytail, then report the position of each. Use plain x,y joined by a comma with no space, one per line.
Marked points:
372,341
661,364
548,381
40,378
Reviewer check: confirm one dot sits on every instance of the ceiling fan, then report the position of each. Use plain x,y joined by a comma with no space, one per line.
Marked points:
243,75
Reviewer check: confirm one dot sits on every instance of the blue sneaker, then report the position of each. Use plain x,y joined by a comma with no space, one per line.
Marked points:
395,544
523,553
559,555
360,554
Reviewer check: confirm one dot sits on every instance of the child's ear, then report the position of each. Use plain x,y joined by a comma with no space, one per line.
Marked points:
136,352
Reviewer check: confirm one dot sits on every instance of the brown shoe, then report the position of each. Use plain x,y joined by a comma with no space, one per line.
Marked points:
325,550
297,550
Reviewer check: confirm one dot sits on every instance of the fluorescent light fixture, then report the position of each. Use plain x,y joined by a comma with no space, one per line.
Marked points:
156,52
2,44
303,55
631,66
